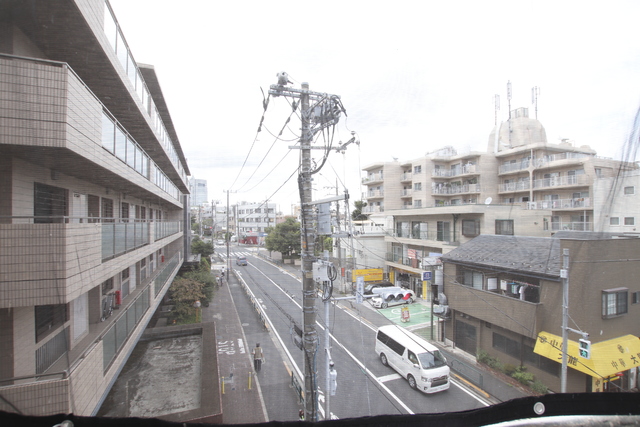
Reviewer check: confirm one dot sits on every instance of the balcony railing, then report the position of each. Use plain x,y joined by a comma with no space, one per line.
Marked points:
438,236
512,167
560,181
448,173
560,204
514,186
372,178
375,194
455,189
373,209
407,176
570,226
406,192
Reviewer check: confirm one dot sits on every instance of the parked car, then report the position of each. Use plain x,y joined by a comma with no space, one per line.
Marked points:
220,242
241,260
386,297
368,290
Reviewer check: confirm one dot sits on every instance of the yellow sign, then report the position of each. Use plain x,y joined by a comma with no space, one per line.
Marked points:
369,274
607,357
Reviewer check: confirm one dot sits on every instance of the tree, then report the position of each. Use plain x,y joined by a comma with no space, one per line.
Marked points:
284,238
184,293
205,249
357,214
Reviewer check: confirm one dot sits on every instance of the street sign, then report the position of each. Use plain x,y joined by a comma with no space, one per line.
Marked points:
426,275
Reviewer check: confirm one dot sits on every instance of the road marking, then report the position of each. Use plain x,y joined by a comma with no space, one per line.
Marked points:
389,377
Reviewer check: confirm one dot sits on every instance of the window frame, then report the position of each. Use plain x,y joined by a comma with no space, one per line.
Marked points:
476,227
620,302
500,227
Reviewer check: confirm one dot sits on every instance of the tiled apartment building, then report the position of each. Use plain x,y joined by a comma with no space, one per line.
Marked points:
93,186
522,185
253,219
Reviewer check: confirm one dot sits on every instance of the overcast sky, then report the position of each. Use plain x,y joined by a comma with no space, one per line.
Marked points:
413,76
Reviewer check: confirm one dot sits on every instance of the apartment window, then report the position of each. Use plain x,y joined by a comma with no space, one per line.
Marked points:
417,203
473,279
49,318
443,231
470,227
108,133
629,220
614,302
124,212
49,204
629,190
107,209
614,220
417,169
635,297
417,186
504,227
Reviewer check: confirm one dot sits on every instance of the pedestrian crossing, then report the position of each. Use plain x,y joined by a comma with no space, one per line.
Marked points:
234,254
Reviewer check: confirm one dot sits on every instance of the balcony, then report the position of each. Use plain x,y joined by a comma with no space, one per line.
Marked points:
373,178
479,303
373,209
446,189
570,226
61,253
581,203
512,187
514,167
407,192
468,169
561,181
375,194
407,176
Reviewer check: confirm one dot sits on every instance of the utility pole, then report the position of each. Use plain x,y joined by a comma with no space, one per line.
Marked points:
227,236
323,113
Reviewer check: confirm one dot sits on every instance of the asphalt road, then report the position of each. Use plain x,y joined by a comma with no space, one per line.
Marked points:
365,387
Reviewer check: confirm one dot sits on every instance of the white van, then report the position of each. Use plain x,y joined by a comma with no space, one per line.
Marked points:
419,362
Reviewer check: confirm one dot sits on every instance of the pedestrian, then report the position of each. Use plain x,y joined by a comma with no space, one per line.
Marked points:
301,414
257,357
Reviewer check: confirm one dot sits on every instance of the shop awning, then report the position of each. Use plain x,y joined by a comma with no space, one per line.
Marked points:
607,357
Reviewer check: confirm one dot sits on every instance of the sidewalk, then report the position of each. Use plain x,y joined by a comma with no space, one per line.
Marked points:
241,399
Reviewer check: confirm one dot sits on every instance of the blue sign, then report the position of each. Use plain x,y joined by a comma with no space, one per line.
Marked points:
426,275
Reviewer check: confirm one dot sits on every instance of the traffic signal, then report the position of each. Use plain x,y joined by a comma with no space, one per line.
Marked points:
585,348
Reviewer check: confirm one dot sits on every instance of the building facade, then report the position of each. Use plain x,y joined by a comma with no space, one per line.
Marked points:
94,186
199,191
505,295
253,219
521,186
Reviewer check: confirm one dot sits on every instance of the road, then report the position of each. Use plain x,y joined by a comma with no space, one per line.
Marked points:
365,387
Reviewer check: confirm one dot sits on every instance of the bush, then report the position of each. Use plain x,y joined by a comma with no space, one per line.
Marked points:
509,369
522,376
539,388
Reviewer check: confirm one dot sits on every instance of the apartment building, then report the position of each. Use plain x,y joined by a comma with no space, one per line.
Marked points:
253,219
617,201
93,183
505,293
521,186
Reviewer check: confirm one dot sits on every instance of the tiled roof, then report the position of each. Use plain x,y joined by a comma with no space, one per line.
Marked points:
529,255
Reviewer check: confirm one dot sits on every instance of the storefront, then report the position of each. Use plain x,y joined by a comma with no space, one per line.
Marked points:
613,365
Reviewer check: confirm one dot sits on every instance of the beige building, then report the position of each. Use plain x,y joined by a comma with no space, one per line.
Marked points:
93,184
522,186
505,295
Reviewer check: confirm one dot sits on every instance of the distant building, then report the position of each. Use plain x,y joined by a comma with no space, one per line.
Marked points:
94,204
253,219
199,192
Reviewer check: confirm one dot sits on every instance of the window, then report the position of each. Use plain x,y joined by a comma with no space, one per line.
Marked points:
417,186
635,297
107,209
49,204
506,345
629,190
504,227
49,318
443,231
417,203
473,279
107,286
614,302
417,169
470,227
614,220
629,220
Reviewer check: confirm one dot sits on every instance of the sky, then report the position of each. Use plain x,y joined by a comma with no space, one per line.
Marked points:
413,76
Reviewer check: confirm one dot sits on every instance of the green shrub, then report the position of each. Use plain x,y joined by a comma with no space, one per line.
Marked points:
539,388
509,369
522,376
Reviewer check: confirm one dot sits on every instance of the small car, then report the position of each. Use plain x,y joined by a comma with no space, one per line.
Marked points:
368,290
386,297
220,242
241,260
